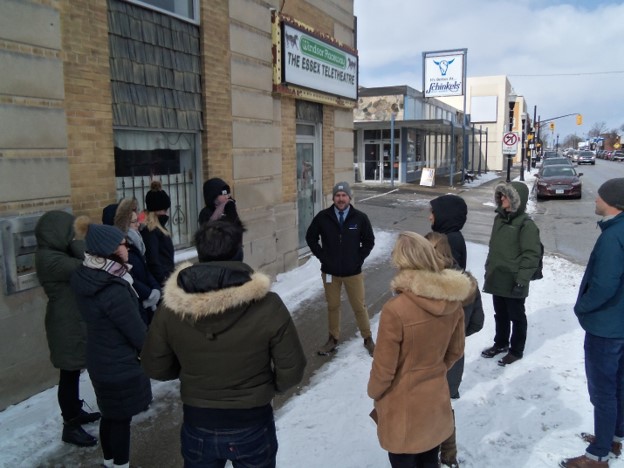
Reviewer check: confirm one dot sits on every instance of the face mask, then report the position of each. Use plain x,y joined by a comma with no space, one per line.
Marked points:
163,220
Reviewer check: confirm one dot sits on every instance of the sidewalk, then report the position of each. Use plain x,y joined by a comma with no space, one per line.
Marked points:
155,434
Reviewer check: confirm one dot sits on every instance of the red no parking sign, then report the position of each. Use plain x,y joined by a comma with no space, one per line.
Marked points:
510,142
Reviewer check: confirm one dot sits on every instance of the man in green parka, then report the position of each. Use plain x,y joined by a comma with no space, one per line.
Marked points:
57,257
513,257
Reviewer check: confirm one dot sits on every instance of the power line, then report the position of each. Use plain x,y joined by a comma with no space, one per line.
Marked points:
574,74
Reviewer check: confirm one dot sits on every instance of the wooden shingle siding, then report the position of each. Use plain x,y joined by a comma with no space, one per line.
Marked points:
155,69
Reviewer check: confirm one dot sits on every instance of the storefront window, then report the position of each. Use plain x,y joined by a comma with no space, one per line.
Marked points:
169,157
414,151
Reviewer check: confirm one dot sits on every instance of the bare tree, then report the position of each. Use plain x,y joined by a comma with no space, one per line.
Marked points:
598,129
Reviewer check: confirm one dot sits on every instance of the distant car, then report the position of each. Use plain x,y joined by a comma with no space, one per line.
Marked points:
617,156
551,154
556,161
558,181
585,157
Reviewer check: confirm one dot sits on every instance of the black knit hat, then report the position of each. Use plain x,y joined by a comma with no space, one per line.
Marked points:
612,192
157,199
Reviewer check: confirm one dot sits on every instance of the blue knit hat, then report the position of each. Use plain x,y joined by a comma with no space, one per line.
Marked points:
102,240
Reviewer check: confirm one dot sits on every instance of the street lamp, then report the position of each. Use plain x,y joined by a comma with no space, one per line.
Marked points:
512,104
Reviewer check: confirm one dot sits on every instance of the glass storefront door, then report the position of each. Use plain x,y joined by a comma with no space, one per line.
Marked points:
387,162
309,181
371,161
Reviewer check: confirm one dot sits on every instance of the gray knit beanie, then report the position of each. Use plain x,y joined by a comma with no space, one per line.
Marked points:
103,240
612,192
342,187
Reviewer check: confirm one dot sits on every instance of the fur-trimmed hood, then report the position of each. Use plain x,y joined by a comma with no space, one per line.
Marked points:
209,289
516,192
448,285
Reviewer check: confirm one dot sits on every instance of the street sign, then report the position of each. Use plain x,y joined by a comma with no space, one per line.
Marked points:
510,142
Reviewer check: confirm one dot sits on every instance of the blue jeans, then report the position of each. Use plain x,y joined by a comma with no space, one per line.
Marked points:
604,367
249,447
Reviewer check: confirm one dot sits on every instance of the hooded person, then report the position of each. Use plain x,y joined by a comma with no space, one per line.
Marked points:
448,216
57,256
219,202
115,335
233,345
159,251
146,286
513,257
473,322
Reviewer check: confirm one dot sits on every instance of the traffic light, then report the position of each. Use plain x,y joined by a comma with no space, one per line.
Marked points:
579,119
552,126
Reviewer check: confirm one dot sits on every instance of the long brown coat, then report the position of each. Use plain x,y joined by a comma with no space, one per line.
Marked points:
421,335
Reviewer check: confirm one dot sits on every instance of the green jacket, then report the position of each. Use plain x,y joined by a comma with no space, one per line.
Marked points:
515,248
225,335
56,258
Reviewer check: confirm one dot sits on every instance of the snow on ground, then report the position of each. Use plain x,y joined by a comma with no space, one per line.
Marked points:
524,415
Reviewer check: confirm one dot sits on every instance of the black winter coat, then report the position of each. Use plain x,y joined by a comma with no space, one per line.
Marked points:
159,253
341,250
115,336
450,213
144,281
474,318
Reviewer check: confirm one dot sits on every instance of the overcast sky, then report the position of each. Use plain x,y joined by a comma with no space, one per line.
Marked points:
576,47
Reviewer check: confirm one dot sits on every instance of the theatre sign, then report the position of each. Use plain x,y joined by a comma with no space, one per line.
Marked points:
313,61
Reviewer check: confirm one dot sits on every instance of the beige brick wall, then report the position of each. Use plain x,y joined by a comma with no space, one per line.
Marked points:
217,134
289,150
88,105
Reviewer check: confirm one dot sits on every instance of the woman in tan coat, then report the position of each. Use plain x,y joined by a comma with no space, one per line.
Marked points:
421,335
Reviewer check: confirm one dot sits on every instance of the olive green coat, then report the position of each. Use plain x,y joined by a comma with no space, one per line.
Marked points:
515,248
58,255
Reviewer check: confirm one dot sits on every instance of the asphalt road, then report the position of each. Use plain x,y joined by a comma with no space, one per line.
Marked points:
568,227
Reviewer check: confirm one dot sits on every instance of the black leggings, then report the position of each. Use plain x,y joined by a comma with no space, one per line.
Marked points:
69,394
428,459
115,439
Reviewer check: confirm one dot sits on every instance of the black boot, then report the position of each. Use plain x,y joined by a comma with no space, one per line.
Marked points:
76,435
84,418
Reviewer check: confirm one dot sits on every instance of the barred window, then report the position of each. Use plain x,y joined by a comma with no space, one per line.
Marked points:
171,157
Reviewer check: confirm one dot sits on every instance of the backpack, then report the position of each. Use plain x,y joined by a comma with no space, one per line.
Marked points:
539,273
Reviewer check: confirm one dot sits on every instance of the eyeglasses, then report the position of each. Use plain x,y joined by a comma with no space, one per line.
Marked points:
124,244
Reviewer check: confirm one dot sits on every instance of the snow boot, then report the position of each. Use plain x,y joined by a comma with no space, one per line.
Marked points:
74,434
329,347
493,351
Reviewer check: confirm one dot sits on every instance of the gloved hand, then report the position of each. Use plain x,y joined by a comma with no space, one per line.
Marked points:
517,290
152,301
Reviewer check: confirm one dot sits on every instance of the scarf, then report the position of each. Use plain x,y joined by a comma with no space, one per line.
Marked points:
135,239
111,267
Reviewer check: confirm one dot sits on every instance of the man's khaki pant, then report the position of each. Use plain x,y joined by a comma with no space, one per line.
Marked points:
354,285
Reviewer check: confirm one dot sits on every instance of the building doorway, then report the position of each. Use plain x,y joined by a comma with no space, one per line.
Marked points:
309,176
377,161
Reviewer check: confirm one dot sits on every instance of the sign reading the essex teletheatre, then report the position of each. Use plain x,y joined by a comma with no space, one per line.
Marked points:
310,62
443,74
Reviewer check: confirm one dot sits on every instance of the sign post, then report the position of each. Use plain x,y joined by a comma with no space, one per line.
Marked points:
510,147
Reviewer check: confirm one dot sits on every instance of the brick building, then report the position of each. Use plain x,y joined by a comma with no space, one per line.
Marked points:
97,98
